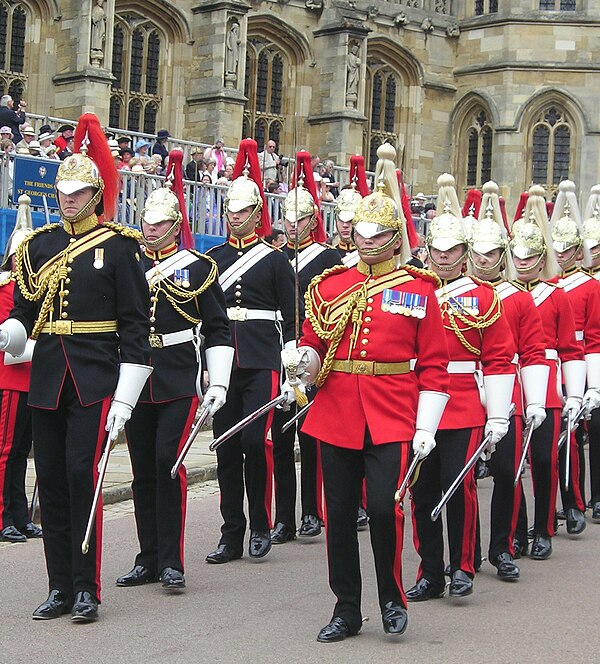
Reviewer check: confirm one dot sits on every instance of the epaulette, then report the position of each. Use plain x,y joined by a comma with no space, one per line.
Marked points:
327,273
260,239
428,275
482,282
126,231
199,254
42,229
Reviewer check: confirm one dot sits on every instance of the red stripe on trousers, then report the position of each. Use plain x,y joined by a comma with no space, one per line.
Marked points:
399,524
100,445
518,449
8,416
269,452
467,555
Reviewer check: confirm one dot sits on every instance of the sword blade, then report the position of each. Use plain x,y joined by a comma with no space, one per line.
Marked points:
85,545
259,412
296,417
204,414
569,431
411,469
563,436
527,442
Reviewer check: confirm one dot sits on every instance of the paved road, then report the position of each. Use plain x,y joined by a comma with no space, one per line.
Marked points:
271,611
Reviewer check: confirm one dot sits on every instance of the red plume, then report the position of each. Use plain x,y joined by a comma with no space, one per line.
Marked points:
175,173
305,173
502,204
247,157
411,231
358,174
549,208
473,200
90,132
521,205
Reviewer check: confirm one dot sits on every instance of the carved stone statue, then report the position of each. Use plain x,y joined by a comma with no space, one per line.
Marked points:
232,54
98,33
353,71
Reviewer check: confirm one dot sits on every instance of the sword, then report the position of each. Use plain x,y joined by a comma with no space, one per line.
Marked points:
85,545
435,513
246,421
575,423
569,431
411,469
527,442
204,415
34,501
46,212
296,417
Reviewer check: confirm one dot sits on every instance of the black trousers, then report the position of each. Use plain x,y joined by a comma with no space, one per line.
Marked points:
156,433
246,457
384,468
69,444
544,472
284,465
438,471
572,496
593,429
15,445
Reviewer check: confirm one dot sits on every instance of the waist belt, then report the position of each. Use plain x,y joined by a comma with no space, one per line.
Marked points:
551,354
462,367
240,314
68,327
369,368
170,339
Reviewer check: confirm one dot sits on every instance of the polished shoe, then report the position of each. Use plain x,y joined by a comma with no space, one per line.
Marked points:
520,549
259,544
507,570
223,554
11,534
596,512
461,585
172,579
362,520
85,608
337,630
560,515
575,521
310,526
530,533
138,576
541,549
57,604
282,534
394,618
424,590
31,531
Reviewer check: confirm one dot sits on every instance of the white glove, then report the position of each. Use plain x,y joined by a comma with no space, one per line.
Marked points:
498,428
423,443
591,400
287,390
572,405
118,415
3,339
214,398
219,360
303,363
535,412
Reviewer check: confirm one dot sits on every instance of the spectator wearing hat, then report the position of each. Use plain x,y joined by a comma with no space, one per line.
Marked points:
195,167
211,169
11,118
51,152
126,156
160,147
46,139
35,149
66,132
6,132
123,142
28,134
217,152
68,151
141,147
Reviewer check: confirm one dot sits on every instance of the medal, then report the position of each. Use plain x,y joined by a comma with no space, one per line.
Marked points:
98,258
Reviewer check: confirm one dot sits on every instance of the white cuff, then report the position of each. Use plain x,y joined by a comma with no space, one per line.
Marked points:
218,363
534,380
430,410
592,366
498,393
132,378
574,375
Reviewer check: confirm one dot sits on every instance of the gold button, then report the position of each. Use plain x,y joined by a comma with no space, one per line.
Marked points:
240,253
70,269
369,308
64,314
67,280
363,353
152,329
367,319
65,292
72,240
370,300
154,299
70,260
152,319
65,303
364,342
366,330
239,279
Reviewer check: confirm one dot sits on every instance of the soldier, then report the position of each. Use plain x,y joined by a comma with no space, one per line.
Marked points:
258,282
364,327
186,302
591,234
535,263
15,416
584,295
481,350
491,261
83,296
308,253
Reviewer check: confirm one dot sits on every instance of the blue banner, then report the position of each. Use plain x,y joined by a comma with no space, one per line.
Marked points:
35,177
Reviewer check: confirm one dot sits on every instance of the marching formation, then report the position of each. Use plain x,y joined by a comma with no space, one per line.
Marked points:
485,361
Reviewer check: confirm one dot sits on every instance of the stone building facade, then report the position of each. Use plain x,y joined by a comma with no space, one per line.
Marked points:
481,88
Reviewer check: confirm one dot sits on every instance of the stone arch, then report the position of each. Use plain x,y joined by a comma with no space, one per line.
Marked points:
398,58
545,96
294,44
166,15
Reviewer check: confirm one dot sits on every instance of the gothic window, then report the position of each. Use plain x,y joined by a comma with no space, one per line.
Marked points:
382,100
550,147
441,6
562,5
479,148
266,73
485,7
13,23
135,98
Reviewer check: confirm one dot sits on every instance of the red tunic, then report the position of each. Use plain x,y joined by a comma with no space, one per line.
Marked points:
559,333
526,327
12,376
494,343
347,403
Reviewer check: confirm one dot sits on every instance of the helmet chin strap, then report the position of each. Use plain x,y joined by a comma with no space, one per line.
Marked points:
154,244
243,227
446,268
565,265
531,268
86,210
375,251
492,268
305,231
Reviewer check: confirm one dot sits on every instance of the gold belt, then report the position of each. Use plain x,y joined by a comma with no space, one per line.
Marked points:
370,368
68,327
